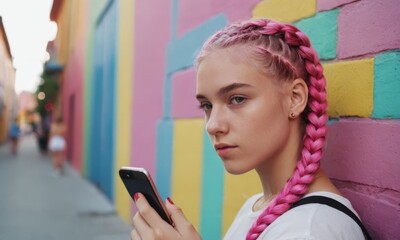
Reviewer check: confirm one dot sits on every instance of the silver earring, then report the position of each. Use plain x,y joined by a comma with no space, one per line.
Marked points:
292,115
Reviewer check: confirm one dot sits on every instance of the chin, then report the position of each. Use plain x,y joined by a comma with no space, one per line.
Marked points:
235,170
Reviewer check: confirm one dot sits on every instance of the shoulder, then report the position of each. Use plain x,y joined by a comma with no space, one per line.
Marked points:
315,221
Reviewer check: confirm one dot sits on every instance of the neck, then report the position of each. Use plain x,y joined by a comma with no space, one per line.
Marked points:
275,172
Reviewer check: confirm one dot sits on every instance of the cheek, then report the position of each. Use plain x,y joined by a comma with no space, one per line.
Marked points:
269,128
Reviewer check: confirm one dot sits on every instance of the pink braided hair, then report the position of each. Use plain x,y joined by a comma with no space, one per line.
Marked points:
286,54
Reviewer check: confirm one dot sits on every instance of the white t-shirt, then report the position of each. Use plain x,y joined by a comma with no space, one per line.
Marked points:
305,222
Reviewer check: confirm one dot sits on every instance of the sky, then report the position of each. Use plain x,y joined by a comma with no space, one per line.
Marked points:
29,28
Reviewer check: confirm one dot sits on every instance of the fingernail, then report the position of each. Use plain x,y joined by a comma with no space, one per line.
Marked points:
136,196
170,201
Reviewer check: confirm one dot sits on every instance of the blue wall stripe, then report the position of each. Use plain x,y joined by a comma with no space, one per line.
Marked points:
387,85
165,135
96,108
167,96
103,121
212,192
112,81
182,52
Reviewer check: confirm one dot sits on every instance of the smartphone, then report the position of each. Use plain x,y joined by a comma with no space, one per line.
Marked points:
139,180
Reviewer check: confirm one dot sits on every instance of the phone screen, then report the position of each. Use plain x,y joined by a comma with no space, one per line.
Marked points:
138,180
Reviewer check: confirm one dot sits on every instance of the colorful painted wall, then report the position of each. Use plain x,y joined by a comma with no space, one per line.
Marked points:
131,77
361,57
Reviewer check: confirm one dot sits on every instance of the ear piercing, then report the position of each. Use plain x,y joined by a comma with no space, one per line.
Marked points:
292,115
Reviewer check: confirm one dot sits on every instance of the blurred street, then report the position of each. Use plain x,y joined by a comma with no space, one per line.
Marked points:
36,205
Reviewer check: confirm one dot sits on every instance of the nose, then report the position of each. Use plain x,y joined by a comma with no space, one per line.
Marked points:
216,123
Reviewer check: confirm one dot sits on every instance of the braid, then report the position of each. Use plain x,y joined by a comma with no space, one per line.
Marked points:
287,54
314,138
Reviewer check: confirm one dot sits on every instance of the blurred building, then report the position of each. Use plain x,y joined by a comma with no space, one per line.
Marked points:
26,107
8,98
27,102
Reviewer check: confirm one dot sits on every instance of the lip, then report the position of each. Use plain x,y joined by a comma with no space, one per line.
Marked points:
223,150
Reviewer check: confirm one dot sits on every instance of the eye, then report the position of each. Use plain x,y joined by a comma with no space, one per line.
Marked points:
205,106
237,99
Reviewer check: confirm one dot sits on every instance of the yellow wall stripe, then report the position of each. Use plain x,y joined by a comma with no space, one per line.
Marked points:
187,166
350,87
285,10
124,102
238,188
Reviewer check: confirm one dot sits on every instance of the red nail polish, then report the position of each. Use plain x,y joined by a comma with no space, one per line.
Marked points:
136,196
170,201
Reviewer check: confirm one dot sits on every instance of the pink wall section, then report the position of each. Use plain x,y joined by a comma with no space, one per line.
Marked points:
362,157
380,215
184,103
367,27
193,13
152,33
355,145
73,87
323,5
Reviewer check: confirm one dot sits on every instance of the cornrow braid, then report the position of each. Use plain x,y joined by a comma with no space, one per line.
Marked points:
289,55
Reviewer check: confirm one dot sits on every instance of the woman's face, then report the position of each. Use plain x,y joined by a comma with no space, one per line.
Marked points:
246,112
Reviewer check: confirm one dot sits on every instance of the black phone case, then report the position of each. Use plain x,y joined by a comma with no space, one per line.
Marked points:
136,181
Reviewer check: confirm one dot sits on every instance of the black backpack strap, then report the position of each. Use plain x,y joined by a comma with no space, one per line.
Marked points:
334,204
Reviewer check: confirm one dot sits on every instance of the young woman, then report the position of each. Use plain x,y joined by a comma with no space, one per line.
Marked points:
262,89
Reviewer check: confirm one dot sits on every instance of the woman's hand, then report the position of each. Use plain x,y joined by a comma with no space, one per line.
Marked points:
148,225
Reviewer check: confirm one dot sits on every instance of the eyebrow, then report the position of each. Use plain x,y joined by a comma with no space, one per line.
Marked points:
226,89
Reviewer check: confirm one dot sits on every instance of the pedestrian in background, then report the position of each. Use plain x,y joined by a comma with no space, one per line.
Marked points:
262,89
14,134
57,145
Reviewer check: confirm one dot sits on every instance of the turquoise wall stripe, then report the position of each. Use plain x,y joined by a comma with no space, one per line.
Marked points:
212,192
322,31
103,110
167,101
387,85
96,107
182,52
113,87
174,19
165,135
94,8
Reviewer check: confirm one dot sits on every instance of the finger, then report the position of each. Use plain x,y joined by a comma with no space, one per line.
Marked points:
148,213
140,226
178,217
135,235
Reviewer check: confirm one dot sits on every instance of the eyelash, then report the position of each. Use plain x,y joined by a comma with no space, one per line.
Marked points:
206,106
241,100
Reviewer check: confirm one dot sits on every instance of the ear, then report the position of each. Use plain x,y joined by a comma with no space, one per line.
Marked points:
298,97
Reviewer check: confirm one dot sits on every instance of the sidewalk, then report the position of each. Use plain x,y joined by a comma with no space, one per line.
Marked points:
35,205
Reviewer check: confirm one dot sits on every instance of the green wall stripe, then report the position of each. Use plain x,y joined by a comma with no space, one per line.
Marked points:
387,85
212,192
322,31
